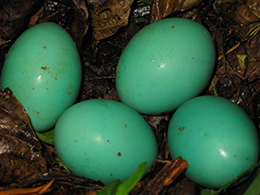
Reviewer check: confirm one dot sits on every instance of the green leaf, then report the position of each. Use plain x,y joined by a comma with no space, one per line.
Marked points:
241,61
254,188
248,171
46,137
245,173
208,192
128,185
110,189
61,164
115,188
214,89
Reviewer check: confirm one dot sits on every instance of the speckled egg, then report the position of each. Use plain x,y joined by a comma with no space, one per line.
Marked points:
165,64
104,140
43,69
216,137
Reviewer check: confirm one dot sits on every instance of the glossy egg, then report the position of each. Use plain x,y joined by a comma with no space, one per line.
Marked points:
104,140
165,64
216,137
43,69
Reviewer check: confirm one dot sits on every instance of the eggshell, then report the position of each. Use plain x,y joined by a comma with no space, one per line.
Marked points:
43,69
165,64
216,137
104,140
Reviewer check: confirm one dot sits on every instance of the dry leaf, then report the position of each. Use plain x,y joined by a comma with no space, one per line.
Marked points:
247,15
253,66
108,17
248,12
79,25
20,150
70,14
163,8
14,17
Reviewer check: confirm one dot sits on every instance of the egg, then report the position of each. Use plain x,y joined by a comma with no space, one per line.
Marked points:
165,64
43,69
104,140
216,137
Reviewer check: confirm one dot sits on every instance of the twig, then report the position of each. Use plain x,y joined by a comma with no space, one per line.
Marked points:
165,177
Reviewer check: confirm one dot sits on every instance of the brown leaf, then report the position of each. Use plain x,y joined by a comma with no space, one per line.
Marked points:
20,150
109,17
247,15
70,14
14,17
79,25
248,12
163,8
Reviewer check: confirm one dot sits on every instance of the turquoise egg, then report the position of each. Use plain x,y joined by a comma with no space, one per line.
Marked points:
43,69
216,137
165,64
104,140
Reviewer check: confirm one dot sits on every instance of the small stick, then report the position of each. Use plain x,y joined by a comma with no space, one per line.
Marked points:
171,171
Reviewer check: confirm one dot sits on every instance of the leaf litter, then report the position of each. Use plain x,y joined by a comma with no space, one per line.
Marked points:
101,30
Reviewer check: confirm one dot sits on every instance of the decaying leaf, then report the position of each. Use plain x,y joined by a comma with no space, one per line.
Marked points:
79,25
14,17
253,66
108,17
163,8
247,14
70,14
20,150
